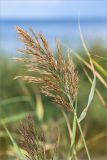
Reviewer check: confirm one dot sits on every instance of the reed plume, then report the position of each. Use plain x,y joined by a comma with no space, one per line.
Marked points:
32,141
57,77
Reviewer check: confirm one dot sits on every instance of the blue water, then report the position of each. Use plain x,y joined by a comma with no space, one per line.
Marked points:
66,30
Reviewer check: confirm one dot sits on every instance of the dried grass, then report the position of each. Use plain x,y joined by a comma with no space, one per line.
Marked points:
56,78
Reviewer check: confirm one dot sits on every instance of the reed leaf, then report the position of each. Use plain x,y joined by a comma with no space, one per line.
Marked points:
90,98
91,95
100,68
19,153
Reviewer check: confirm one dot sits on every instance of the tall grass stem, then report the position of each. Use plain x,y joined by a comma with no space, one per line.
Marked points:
80,129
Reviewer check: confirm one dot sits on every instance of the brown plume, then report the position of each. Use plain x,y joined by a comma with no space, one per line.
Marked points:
56,77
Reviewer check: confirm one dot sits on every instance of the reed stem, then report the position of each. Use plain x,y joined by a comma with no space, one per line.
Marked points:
80,129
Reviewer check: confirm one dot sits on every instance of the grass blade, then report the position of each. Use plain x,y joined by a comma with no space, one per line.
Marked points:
91,95
100,68
101,98
100,57
20,155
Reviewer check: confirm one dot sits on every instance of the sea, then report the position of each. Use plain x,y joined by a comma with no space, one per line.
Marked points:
66,30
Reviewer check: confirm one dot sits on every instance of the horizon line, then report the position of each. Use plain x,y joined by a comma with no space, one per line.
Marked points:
54,19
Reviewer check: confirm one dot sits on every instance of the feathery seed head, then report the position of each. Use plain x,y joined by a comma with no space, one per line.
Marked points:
58,77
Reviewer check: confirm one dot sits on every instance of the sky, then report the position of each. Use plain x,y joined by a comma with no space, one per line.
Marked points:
52,8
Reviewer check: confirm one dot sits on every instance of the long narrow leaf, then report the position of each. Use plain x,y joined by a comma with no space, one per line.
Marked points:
91,95
97,91
100,57
20,155
100,68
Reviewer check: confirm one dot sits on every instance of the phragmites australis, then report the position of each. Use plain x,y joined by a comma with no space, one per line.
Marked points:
32,141
56,77
36,142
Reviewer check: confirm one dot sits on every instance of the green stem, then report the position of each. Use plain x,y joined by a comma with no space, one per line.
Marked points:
74,135
80,129
85,145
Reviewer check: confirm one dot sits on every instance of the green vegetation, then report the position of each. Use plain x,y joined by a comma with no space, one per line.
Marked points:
61,129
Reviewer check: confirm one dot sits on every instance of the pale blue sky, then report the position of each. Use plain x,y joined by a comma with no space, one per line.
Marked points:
52,8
